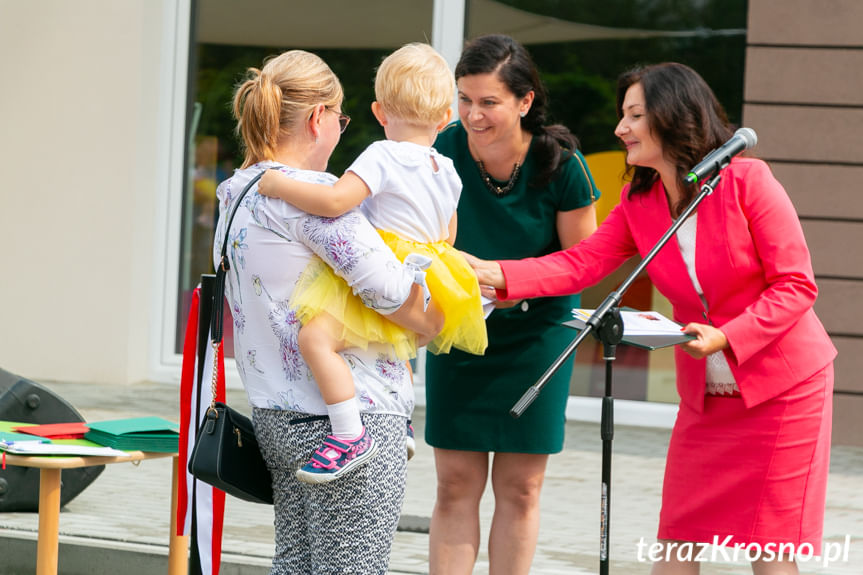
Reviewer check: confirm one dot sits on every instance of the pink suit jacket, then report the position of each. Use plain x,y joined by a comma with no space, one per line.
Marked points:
751,260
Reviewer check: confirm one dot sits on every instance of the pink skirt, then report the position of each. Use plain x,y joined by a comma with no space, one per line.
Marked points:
758,475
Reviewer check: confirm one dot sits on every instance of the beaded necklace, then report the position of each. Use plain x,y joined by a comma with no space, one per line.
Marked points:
494,188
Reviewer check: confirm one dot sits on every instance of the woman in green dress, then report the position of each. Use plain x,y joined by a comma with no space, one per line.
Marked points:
526,192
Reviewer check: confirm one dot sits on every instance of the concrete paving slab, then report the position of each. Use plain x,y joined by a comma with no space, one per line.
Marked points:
569,532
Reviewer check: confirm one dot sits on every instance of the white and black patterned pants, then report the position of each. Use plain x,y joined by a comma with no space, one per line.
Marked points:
344,526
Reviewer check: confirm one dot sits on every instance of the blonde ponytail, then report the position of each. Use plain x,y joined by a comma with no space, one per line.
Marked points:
271,103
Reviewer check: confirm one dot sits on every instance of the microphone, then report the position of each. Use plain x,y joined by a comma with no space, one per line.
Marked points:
743,139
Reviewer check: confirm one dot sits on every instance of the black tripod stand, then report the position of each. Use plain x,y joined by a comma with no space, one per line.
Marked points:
607,326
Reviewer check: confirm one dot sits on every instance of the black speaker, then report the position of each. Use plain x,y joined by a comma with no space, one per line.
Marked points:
25,401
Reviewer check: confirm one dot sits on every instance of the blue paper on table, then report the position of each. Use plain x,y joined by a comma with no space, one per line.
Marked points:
136,434
12,437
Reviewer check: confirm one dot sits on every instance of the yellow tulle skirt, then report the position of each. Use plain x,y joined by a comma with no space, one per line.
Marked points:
453,288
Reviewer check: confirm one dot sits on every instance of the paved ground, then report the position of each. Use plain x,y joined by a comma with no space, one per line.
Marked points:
569,536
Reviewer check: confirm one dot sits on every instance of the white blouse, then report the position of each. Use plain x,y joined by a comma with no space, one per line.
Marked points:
720,380
270,244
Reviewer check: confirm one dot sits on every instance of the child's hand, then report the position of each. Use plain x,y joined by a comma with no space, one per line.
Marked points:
267,183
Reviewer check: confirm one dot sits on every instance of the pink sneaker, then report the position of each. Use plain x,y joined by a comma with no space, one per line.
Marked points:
337,457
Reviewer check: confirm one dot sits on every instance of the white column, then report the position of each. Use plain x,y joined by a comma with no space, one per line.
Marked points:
448,28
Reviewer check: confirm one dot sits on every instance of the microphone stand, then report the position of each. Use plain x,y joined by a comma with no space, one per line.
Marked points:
607,326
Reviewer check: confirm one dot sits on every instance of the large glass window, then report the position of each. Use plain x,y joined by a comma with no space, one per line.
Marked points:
225,45
580,48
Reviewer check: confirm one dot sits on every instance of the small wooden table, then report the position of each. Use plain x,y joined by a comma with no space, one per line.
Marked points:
48,544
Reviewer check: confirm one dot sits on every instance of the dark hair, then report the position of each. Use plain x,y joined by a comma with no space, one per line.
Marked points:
684,115
500,54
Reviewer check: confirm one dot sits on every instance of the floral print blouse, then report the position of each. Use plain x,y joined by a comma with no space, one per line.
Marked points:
270,243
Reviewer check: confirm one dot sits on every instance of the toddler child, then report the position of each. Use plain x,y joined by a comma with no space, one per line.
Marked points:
409,192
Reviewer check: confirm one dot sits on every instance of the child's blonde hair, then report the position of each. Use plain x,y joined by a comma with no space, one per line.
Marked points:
273,101
415,84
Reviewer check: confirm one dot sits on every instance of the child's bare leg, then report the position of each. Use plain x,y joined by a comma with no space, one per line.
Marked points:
320,345
349,446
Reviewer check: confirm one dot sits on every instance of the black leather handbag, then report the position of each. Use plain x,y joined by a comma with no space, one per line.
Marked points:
226,456
226,453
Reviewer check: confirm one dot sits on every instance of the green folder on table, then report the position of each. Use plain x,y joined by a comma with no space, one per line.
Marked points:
136,434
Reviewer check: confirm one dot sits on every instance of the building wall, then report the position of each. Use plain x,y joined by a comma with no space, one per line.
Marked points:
82,149
804,98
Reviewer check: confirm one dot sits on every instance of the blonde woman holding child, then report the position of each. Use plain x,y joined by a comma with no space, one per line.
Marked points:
409,192
289,118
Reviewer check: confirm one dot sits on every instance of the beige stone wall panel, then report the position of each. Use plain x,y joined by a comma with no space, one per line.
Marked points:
823,191
849,364
836,247
812,22
847,423
838,306
806,133
804,75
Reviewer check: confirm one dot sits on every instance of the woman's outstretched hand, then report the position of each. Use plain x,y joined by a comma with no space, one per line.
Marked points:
488,272
490,277
708,340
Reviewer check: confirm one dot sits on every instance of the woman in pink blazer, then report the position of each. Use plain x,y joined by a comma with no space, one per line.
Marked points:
748,458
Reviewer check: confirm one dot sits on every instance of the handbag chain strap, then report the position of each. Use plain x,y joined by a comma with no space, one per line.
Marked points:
212,409
217,313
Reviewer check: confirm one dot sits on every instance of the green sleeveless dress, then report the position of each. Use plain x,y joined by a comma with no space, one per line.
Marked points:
468,397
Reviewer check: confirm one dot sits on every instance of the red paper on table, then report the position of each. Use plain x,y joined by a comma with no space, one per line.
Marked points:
74,430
